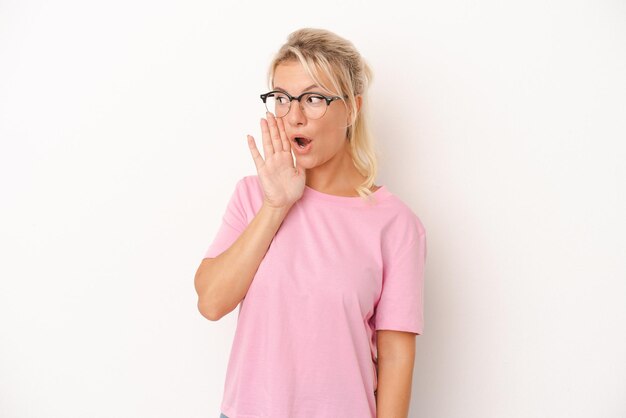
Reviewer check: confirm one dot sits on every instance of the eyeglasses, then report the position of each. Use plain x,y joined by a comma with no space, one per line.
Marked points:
313,105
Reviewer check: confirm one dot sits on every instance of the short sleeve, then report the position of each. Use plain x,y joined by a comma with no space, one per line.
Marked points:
401,304
233,223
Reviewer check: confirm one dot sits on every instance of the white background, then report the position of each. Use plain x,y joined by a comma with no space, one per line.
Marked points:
123,132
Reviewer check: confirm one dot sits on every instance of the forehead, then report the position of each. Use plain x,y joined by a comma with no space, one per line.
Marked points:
292,77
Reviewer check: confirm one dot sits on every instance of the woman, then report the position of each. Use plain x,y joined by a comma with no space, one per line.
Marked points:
326,267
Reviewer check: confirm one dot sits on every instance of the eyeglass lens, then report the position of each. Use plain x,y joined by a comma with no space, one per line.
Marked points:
313,106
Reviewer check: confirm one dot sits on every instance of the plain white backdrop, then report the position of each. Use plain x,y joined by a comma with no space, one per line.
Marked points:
123,132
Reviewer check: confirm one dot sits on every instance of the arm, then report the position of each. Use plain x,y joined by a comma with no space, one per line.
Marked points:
396,357
222,282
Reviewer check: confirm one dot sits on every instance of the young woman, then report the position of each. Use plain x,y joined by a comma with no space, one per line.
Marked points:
326,267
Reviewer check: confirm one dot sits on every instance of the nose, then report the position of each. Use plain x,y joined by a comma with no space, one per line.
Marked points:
295,115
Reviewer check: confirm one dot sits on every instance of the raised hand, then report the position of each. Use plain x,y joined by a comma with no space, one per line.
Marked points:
283,183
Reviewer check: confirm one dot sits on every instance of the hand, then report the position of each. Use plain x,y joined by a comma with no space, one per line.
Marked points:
283,183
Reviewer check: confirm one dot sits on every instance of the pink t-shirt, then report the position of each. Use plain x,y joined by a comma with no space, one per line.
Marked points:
337,270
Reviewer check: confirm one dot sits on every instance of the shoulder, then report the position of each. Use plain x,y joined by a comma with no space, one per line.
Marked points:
403,216
403,227
247,184
249,192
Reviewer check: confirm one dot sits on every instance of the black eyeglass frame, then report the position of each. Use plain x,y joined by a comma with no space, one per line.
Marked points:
329,99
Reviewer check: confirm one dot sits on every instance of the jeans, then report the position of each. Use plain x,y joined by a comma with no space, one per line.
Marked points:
222,415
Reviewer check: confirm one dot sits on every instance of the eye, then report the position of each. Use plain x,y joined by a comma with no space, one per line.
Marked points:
314,99
281,98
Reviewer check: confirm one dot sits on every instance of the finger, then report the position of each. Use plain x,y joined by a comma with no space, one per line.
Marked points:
256,155
274,132
268,148
283,135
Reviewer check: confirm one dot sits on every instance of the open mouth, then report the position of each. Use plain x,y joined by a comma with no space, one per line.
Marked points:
302,142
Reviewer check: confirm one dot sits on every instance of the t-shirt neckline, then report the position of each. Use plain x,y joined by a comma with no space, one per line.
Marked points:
312,194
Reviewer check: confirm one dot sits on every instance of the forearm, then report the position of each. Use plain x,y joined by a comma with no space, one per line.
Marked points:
222,282
395,377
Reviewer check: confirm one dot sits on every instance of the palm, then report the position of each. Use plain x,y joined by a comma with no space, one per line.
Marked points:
282,182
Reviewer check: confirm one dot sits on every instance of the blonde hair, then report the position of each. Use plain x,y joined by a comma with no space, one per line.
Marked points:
323,52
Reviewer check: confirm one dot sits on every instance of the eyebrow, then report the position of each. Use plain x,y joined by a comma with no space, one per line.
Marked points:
305,89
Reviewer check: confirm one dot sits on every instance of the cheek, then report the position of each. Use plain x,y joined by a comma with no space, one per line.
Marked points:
333,134
332,128
337,125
